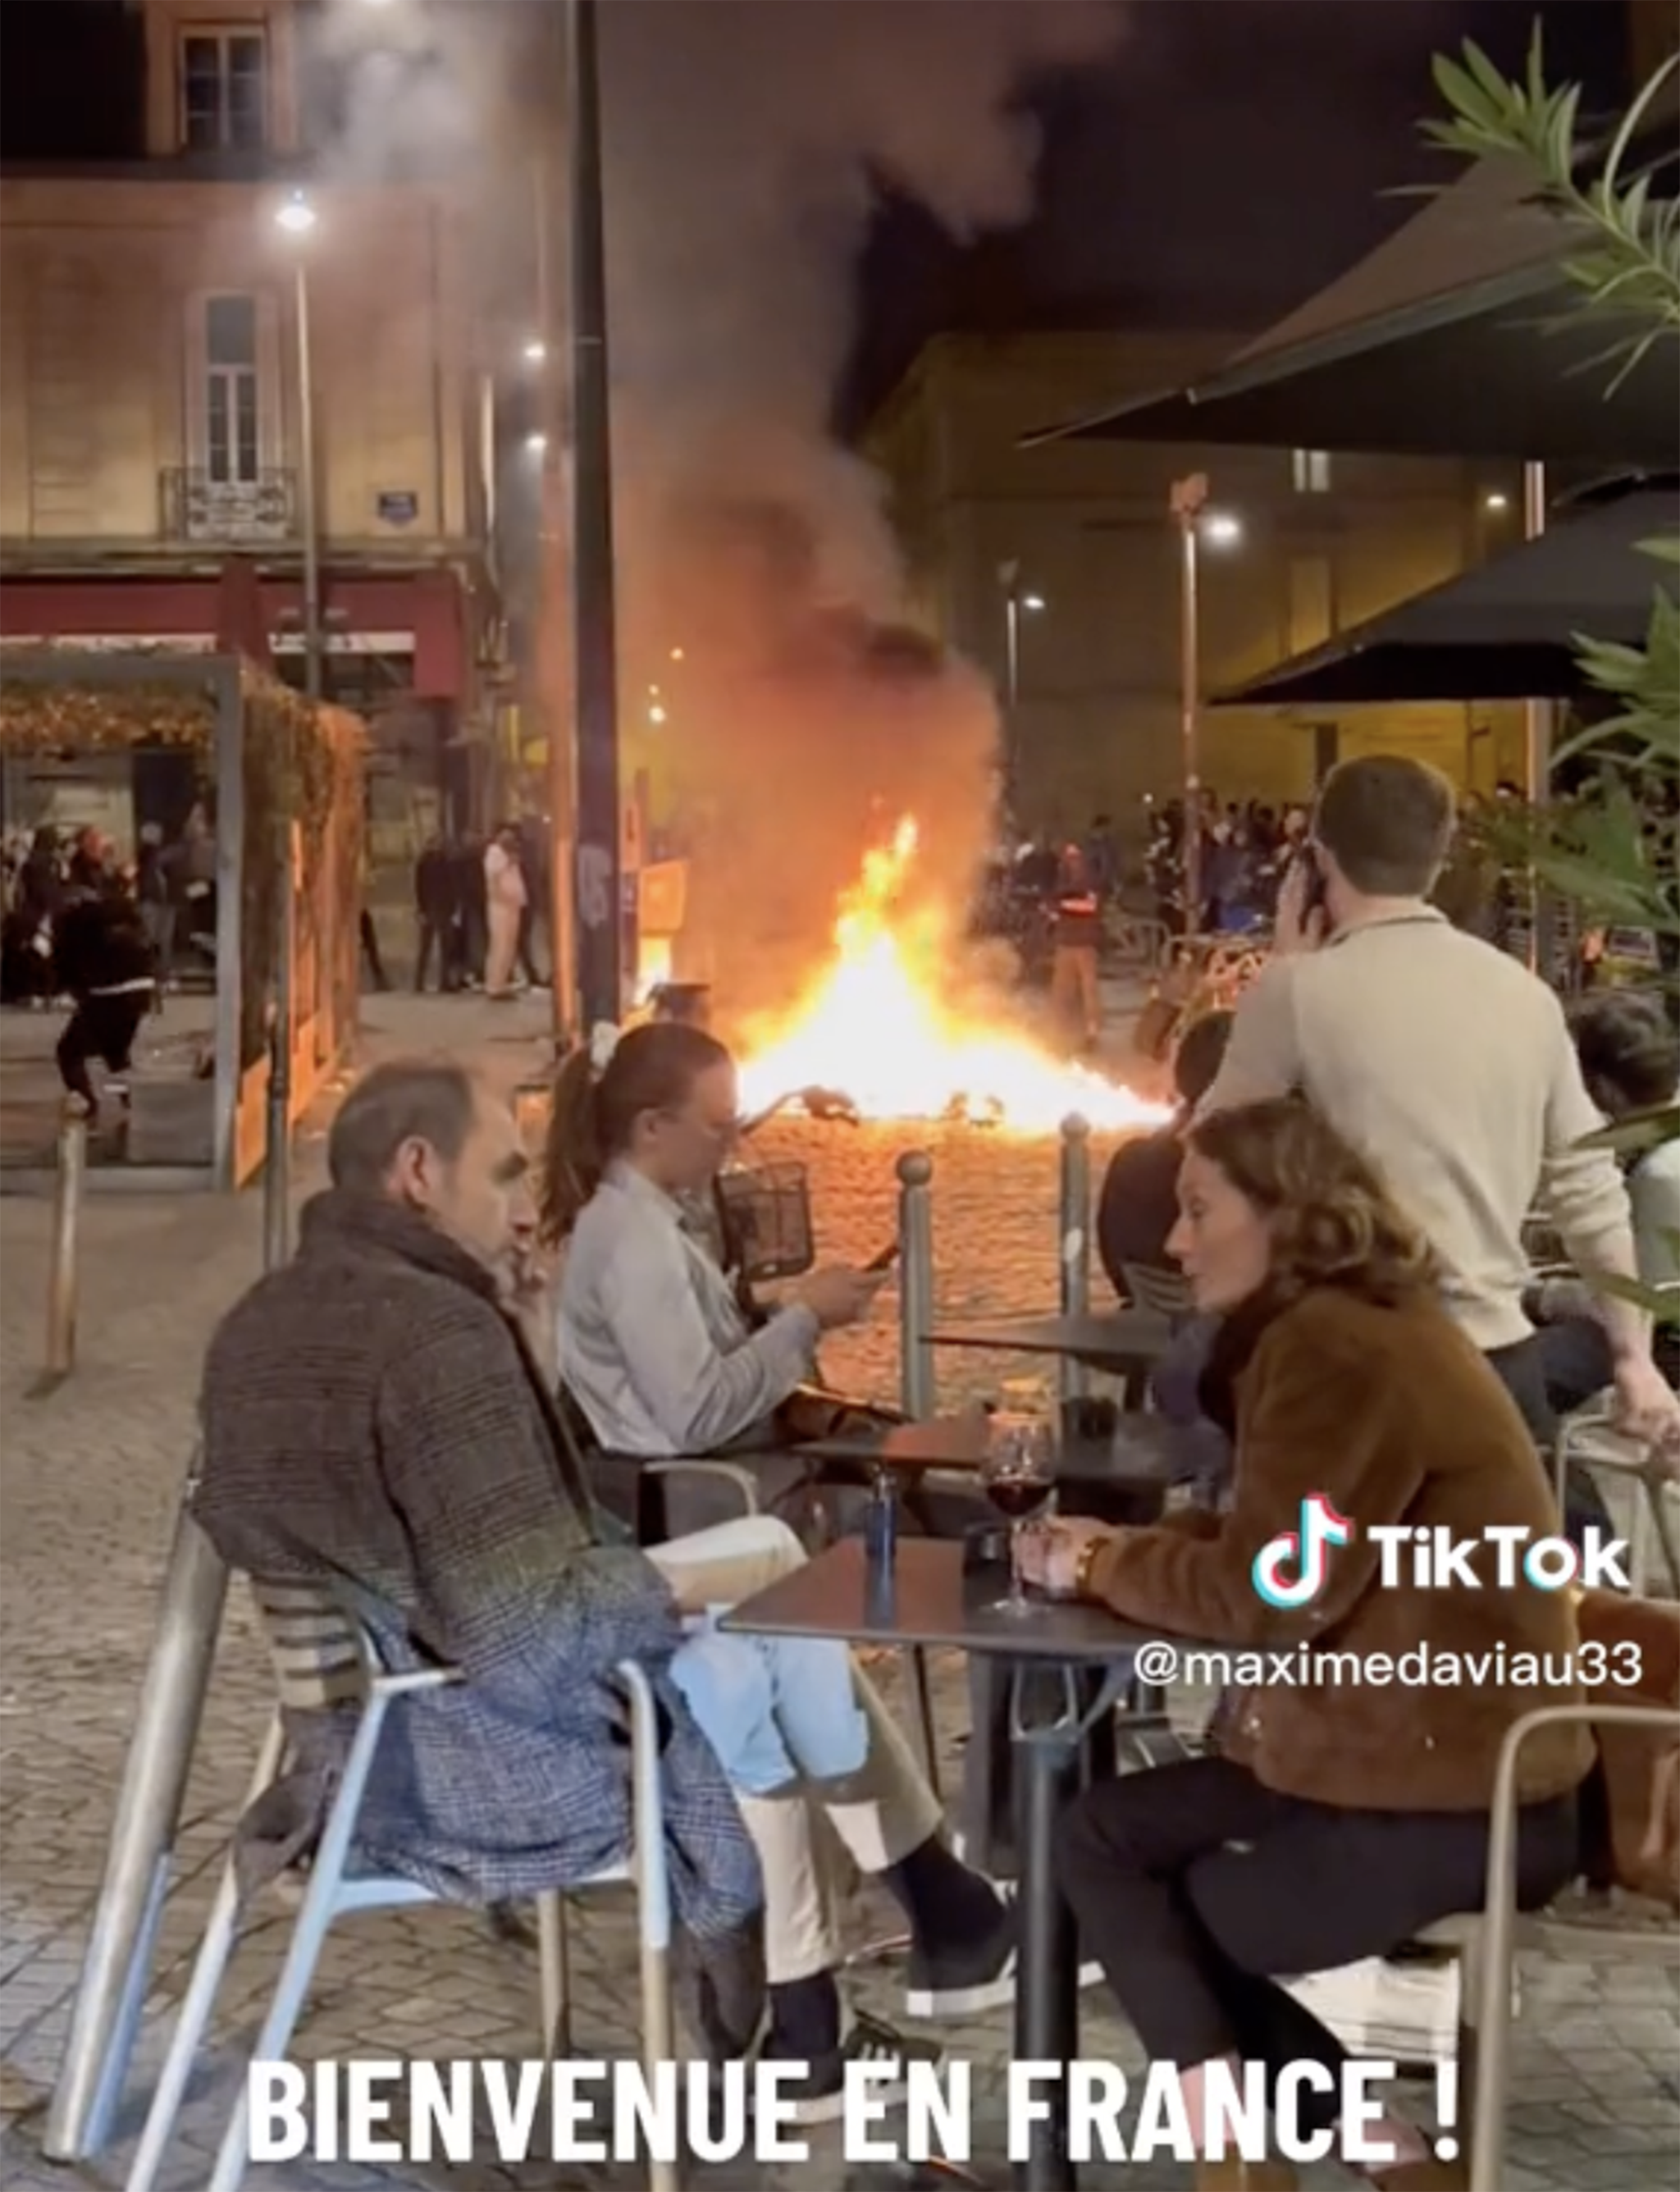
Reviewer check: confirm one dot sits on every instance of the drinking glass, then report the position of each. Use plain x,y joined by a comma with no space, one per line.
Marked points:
1018,1476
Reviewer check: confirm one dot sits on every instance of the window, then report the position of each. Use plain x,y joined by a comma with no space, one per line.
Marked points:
1310,471
223,77
232,407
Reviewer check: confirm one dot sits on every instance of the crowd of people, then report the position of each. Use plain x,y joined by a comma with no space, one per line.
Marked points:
477,905
413,1407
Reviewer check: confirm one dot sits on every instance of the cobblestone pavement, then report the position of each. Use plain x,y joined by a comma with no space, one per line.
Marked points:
90,1477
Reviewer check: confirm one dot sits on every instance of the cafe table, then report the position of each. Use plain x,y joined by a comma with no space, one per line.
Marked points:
931,1602
1122,1343
1141,1454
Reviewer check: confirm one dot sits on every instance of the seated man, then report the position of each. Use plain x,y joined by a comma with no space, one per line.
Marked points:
1138,1207
371,1417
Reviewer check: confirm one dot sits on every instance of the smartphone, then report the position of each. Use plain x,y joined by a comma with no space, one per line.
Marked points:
885,1260
1313,895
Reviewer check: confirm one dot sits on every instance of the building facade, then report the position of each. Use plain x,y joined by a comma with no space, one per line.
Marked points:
1079,534
159,324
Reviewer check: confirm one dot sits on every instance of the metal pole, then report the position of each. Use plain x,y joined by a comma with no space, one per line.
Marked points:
552,561
600,885
1187,500
63,1281
915,1284
307,518
277,1175
1536,717
117,1960
1075,1245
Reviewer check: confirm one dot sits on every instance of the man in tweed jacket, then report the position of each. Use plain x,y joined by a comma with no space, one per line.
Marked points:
372,1418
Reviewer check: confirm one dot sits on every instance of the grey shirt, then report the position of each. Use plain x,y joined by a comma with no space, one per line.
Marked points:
649,1339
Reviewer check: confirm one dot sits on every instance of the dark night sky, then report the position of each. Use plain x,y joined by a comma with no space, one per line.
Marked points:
1230,161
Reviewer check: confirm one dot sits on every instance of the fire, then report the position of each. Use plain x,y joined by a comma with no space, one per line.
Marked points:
874,1028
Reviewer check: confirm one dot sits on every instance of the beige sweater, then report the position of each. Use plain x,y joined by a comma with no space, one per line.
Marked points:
1451,1067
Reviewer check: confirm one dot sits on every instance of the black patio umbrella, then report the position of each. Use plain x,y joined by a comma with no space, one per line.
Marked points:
1505,632
1445,340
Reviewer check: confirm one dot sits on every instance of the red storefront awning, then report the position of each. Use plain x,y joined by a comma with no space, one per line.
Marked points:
423,612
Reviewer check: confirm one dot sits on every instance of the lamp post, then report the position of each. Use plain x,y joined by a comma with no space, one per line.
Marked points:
298,219
1188,502
599,862
1016,603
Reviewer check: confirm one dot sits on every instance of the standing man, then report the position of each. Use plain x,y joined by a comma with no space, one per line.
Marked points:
437,914
505,901
1075,997
1451,1067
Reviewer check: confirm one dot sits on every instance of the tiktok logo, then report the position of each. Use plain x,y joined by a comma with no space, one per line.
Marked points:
1306,1551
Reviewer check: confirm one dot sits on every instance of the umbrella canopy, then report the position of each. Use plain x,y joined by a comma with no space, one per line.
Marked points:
1505,631
1442,342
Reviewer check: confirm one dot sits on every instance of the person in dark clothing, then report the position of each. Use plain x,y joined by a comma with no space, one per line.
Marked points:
1075,997
39,894
1138,1205
437,908
467,860
105,963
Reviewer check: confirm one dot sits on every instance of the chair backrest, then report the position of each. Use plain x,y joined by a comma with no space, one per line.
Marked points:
313,1646
1164,1292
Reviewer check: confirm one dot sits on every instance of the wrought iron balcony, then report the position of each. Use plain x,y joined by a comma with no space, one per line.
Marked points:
198,507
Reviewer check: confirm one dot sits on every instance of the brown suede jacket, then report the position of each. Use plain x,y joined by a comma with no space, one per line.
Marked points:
1394,1415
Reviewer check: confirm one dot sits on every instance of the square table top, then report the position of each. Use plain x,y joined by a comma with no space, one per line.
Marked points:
933,1602
1115,1339
1145,1450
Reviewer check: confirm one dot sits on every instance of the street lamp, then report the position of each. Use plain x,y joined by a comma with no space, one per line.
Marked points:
1196,523
297,217
1016,604
535,351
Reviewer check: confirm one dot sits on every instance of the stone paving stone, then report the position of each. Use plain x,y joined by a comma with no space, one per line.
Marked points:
88,1482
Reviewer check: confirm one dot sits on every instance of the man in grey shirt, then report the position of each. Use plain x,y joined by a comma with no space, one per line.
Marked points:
1451,1067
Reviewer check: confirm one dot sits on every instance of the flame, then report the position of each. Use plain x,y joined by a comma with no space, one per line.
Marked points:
873,1027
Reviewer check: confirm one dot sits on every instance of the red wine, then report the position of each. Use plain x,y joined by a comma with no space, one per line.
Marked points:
1016,1497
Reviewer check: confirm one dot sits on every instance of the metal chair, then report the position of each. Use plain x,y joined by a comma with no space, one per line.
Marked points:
1498,1932
1629,1480
323,1657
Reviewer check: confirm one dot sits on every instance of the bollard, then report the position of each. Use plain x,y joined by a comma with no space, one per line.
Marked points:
915,1284
62,1279
1074,1231
116,1963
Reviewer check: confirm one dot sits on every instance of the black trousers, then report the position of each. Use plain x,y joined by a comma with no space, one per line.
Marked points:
1197,1889
1523,1369
103,1028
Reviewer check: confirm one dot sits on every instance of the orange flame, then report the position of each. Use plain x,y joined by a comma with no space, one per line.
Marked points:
874,1027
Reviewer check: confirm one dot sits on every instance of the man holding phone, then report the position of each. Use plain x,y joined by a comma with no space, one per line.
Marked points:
1452,1067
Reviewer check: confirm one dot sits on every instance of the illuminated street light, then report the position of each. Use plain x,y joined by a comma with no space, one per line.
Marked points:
656,714
677,654
536,350
536,444
297,216
1219,529
1496,502
1033,603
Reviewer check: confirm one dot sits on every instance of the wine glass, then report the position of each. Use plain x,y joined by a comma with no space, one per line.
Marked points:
1018,1476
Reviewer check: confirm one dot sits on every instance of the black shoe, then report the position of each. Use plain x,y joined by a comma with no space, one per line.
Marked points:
819,2097
967,1978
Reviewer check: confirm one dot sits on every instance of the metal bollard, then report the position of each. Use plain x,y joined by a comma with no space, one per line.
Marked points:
62,1279
915,1284
1073,1227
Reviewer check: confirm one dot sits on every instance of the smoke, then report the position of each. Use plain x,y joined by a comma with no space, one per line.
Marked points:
748,145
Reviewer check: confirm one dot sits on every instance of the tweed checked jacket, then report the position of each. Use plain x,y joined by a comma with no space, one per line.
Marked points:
371,1419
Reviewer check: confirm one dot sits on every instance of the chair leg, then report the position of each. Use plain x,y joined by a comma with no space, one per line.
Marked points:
554,1965
320,1904
927,1728
215,1951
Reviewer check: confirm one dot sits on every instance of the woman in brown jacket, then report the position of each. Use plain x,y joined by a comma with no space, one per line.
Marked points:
1345,1810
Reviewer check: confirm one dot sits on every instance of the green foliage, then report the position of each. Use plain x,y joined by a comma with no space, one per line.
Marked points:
1620,255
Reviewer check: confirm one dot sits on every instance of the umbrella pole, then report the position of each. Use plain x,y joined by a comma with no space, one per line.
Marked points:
1536,715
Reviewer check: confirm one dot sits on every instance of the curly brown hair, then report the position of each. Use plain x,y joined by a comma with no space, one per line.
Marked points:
1334,1222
